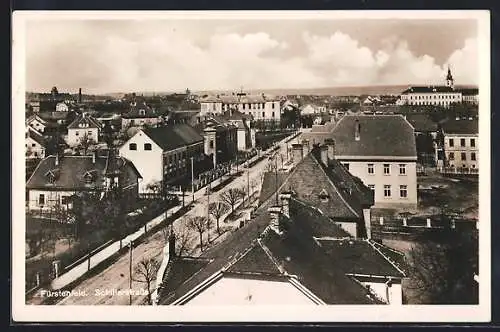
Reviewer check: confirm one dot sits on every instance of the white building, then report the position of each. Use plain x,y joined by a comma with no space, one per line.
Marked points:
35,144
62,107
381,151
83,126
461,143
163,153
37,123
260,107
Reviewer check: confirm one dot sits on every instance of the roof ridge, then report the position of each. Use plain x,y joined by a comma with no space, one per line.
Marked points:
386,258
271,257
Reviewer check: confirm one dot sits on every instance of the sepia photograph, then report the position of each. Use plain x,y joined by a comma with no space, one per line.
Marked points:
251,166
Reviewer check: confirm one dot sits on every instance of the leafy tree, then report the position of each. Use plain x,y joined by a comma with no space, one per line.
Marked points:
217,210
198,224
231,197
146,271
442,269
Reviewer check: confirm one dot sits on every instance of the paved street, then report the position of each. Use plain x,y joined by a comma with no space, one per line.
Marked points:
102,287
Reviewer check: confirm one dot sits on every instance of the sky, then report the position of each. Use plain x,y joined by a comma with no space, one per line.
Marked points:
104,56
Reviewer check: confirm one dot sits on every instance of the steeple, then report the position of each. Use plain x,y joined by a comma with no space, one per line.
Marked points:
449,78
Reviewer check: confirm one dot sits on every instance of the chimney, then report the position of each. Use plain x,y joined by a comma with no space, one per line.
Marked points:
330,143
324,154
274,219
285,203
171,245
296,152
80,95
94,153
357,130
57,159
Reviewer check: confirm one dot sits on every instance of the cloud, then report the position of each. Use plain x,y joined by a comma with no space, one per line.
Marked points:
84,56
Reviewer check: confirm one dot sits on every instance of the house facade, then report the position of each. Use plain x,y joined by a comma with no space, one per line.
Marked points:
260,107
37,123
57,178
163,154
83,126
461,149
141,115
62,107
381,151
35,144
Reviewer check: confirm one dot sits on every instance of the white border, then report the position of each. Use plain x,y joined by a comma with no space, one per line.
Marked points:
423,313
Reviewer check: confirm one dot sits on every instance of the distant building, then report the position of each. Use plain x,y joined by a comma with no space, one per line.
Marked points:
381,151
35,143
141,115
470,96
36,123
426,138
62,107
163,154
57,178
83,125
220,138
260,107
461,143
245,130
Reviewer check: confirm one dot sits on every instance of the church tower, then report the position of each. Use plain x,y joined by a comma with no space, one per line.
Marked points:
449,79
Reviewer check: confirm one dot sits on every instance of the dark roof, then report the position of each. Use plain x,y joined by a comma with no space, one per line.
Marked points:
84,120
35,117
255,261
173,136
54,116
422,122
269,184
71,171
237,115
141,110
37,137
469,91
461,126
429,89
380,135
359,257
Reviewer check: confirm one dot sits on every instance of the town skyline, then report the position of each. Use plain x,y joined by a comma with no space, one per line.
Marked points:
172,55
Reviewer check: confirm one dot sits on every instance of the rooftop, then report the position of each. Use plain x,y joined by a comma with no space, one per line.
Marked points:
462,126
422,122
84,121
430,89
173,136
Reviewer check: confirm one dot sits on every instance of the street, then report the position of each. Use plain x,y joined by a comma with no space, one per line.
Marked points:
105,286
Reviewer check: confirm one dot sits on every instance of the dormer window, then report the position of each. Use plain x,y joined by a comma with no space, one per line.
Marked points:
88,177
142,112
323,196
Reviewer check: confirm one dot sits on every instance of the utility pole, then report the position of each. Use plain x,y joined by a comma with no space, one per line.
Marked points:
192,178
130,274
208,212
248,185
276,173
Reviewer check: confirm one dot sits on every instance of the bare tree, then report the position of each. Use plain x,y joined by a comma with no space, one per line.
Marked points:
217,210
231,197
85,143
198,224
146,271
182,240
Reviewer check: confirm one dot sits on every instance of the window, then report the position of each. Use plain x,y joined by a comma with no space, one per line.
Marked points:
211,144
451,143
77,133
41,199
243,106
88,178
372,188
403,191
346,165
371,170
462,142
323,195
463,156
64,200
472,142
402,169
132,146
387,190
273,114
387,169
33,144
451,156
473,156
272,105
147,146
263,114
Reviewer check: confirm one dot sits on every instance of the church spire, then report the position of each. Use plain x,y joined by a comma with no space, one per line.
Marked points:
449,78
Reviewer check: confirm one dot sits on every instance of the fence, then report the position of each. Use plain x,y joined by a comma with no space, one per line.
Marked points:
458,171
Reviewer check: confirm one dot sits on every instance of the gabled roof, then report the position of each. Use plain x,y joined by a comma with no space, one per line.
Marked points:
72,171
462,126
380,135
173,136
84,121
37,118
430,89
36,136
422,122
141,110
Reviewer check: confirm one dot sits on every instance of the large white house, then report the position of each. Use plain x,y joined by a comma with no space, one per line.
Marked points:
83,126
261,107
461,143
381,151
163,153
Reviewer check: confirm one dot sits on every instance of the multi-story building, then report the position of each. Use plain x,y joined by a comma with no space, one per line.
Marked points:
57,178
163,154
141,115
470,96
461,143
432,95
220,138
381,151
260,107
83,126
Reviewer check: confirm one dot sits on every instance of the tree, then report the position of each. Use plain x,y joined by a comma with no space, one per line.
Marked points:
231,197
442,269
146,271
217,210
182,240
85,143
198,224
